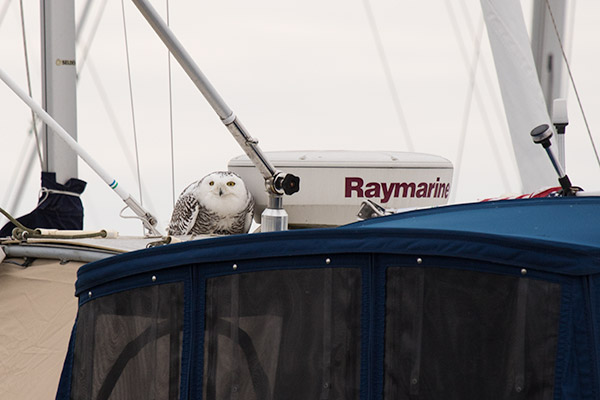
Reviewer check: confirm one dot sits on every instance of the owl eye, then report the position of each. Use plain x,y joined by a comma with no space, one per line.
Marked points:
211,183
230,183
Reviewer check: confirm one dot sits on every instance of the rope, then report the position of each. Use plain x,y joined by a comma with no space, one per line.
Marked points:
33,120
171,115
21,232
38,235
564,55
388,74
137,157
45,192
15,222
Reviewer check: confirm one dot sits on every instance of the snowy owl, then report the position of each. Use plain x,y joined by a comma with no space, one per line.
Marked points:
217,204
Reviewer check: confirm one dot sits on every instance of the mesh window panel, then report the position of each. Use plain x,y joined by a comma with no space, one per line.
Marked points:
455,334
287,334
128,345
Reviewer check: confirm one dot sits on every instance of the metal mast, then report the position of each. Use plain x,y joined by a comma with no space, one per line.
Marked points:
546,47
59,84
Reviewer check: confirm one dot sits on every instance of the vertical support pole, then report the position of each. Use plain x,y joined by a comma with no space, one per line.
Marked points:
560,120
546,48
59,84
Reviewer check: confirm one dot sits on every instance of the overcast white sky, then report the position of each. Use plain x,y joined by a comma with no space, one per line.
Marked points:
300,75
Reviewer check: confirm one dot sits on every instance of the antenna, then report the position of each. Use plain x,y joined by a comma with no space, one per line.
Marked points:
542,134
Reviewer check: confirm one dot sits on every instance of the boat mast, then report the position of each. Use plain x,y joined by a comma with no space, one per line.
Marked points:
59,85
546,47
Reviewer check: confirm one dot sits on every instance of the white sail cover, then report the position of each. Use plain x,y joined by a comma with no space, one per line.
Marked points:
521,92
37,311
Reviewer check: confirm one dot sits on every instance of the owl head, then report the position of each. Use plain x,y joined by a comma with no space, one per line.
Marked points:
222,191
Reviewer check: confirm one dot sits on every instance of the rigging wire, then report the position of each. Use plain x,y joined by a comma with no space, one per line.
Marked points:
112,117
23,179
21,175
83,19
564,55
86,61
474,91
388,74
81,63
496,106
86,49
468,101
4,10
171,114
28,73
137,159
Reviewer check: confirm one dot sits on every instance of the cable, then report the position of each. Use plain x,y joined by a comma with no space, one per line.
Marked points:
468,101
137,158
388,74
564,55
19,174
86,61
23,179
86,49
97,81
83,19
171,115
496,106
472,70
4,10
21,232
28,73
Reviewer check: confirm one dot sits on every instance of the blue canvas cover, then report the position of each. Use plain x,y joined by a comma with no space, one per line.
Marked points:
568,220
56,209
523,271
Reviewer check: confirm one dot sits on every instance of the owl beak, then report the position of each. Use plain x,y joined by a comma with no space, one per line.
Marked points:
220,192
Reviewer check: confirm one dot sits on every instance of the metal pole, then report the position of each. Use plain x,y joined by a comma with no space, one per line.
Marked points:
560,120
82,255
249,145
148,219
277,183
546,47
59,97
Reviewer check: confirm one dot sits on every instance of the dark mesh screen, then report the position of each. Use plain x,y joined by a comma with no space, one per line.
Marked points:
287,334
456,334
128,345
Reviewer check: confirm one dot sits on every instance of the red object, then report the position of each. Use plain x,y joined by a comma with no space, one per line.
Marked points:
547,192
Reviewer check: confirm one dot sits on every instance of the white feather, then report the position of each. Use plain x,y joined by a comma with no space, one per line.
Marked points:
217,204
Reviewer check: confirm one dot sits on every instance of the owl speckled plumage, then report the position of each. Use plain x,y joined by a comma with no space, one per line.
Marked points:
217,204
